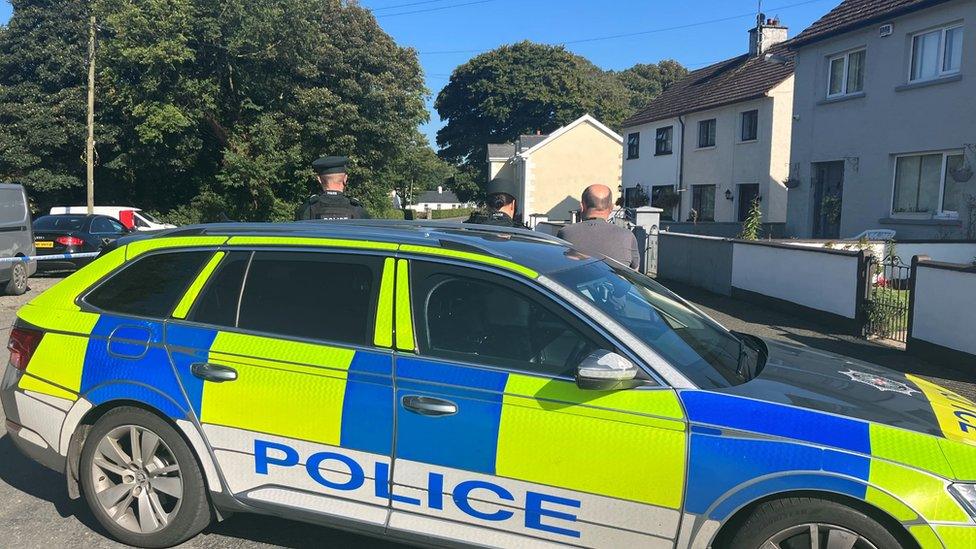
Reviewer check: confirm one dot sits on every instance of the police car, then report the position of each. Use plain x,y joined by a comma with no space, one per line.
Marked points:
448,384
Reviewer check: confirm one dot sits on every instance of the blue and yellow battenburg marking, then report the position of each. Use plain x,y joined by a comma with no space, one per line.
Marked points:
514,426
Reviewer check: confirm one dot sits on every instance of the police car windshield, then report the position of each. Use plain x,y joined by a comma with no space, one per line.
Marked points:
708,354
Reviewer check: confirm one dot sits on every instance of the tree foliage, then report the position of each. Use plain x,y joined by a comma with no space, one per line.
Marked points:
216,104
527,87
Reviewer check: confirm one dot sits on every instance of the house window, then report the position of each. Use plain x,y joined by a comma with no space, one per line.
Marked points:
703,202
706,133
936,53
750,125
662,141
928,184
846,74
633,145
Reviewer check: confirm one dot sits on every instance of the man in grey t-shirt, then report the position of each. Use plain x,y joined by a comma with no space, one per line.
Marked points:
593,235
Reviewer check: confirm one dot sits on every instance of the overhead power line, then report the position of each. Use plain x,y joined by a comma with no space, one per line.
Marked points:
407,5
645,32
426,10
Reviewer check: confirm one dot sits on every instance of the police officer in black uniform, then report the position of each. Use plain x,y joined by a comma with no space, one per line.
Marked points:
331,203
500,202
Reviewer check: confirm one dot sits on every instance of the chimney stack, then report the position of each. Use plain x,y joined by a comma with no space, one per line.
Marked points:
440,189
766,34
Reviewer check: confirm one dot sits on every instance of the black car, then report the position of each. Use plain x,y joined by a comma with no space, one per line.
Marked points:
70,234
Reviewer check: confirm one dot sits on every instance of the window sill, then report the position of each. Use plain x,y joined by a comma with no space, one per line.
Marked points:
633,158
920,221
708,148
747,141
669,153
927,83
841,98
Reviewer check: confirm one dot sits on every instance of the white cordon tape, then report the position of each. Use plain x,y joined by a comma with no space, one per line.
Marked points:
49,257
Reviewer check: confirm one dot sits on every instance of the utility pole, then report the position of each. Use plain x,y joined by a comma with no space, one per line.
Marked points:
90,145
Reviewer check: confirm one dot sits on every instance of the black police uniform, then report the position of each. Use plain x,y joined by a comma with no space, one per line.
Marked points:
331,204
490,216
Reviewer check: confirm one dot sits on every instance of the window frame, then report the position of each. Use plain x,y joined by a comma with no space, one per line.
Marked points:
742,126
846,56
946,153
284,249
942,72
538,293
633,145
108,220
714,132
669,131
82,299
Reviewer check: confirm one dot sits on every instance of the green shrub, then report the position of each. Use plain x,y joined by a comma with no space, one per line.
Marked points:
445,214
387,214
752,226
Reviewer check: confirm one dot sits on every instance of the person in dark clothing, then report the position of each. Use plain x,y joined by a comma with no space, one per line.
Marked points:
501,205
593,235
331,203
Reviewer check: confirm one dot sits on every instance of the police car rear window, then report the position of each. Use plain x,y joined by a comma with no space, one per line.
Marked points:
150,286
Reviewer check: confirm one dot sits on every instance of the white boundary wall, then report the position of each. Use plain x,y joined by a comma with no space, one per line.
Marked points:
816,279
945,307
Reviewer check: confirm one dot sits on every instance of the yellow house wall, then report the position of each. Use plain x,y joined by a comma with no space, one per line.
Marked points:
560,170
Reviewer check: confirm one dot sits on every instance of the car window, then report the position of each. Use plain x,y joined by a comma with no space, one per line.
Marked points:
13,209
150,286
481,318
59,223
311,295
701,349
217,303
104,225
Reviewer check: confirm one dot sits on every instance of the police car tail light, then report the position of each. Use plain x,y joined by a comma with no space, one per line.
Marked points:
22,345
69,241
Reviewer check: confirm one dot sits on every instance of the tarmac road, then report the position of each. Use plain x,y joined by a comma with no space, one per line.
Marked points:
36,510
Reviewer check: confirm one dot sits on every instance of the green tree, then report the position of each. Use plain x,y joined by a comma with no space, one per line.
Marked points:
645,81
42,96
517,89
216,104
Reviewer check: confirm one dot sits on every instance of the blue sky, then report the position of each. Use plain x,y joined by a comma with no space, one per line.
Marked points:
695,32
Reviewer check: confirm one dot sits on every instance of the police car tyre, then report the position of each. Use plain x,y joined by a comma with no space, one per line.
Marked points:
163,494
18,279
790,523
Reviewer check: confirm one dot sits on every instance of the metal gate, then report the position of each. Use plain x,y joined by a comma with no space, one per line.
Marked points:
887,303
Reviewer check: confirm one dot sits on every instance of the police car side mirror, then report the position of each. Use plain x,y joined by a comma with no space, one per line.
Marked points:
603,370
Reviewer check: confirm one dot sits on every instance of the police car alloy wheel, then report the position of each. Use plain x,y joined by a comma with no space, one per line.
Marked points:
18,279
141,480
812,523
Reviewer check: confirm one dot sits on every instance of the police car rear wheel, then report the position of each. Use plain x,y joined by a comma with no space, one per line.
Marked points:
795,523
141,480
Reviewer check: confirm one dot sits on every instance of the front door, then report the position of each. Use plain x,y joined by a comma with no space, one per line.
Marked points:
496,444
828,195
285,361
747,195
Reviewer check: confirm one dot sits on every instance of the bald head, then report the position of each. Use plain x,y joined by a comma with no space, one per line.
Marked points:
597,201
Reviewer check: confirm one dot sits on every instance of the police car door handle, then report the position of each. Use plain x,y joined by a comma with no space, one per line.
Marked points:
429,406
212,372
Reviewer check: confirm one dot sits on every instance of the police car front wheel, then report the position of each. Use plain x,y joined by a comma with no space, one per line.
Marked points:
809,522
141,480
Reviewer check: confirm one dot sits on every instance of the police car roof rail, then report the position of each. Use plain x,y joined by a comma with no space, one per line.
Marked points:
451,226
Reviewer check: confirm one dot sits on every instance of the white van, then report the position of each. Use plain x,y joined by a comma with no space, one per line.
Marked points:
132,218
16,240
